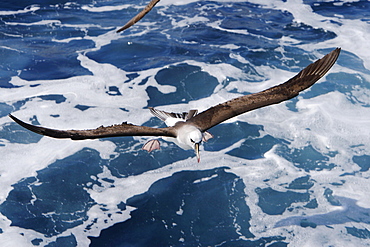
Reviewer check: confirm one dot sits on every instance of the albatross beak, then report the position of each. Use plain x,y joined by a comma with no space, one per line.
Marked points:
197,151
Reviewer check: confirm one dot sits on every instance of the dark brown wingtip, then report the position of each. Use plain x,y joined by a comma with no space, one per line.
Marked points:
25,125
127,25
21,123
42,130
12,117
334,54
311,74
139,16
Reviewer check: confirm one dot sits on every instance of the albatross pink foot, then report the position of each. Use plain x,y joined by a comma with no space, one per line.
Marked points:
151,145
206,136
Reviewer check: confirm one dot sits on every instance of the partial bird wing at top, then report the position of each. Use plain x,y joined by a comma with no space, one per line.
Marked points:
290,89
123,129
139,16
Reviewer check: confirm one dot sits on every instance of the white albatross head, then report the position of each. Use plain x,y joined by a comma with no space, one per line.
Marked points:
189,137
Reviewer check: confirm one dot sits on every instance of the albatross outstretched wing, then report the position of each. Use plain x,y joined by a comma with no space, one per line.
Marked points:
211,117
123,129
290,89
139,16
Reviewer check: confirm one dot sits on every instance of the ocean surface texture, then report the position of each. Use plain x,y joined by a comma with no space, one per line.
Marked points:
292,174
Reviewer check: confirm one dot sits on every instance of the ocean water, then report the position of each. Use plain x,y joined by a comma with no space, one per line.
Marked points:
292,174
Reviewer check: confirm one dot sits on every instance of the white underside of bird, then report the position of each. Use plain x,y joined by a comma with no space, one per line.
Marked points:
188,136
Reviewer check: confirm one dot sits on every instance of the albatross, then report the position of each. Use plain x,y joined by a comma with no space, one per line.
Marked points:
189,129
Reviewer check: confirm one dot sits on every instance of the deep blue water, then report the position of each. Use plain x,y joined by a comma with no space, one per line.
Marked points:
295,174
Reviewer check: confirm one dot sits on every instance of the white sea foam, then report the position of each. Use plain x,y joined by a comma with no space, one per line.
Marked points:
105,8
352,35
31,8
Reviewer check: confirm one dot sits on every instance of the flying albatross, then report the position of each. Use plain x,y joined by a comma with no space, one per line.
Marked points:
189,129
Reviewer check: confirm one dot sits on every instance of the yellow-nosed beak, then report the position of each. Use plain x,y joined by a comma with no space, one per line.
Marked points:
197,151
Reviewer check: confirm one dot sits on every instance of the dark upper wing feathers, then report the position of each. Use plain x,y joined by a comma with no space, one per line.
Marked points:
290,89
123,129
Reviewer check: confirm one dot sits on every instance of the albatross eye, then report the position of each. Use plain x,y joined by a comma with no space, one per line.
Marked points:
192,140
